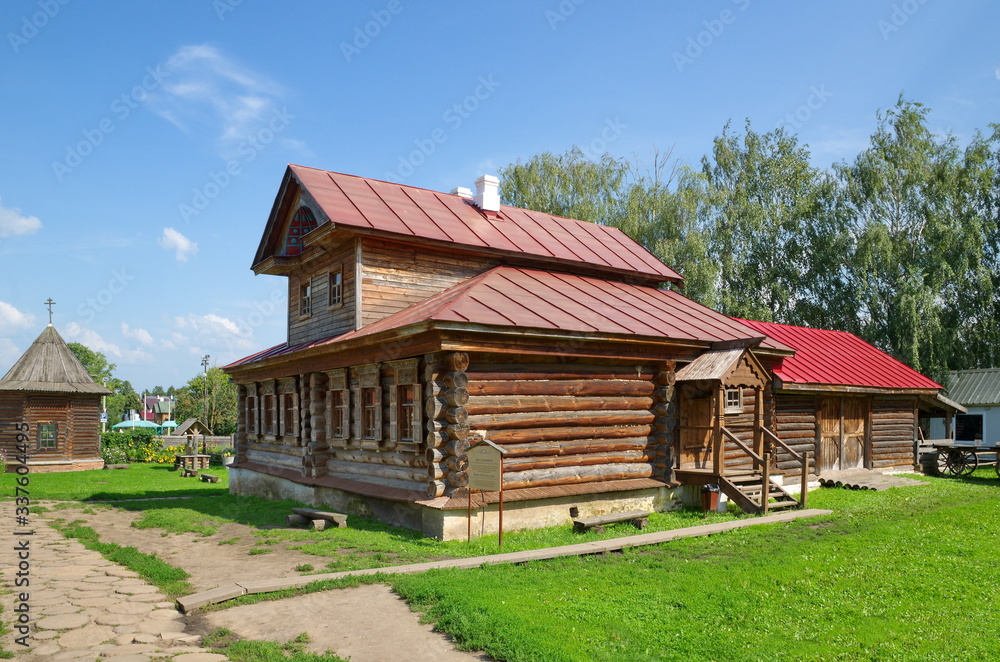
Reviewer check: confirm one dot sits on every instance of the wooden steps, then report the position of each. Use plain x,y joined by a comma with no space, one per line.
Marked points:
745,490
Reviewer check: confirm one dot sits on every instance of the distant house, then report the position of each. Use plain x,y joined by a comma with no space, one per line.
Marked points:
51,392
979,392
157,408
848,403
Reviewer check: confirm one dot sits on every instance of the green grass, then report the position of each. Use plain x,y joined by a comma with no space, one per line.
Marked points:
139,481
905,574
226,642
367,543
167,578
4,630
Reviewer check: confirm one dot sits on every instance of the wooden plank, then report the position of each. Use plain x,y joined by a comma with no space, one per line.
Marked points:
591,547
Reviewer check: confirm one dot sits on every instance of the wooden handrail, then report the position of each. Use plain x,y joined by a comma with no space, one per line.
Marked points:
775,439
746,449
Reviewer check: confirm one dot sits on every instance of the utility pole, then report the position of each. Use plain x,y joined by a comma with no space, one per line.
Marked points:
204,420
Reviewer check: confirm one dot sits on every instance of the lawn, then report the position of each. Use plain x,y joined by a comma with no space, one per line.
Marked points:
906,574
139,481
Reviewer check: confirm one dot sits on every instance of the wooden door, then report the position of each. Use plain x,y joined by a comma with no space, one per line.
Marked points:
841,423
828,422
696,433
854,414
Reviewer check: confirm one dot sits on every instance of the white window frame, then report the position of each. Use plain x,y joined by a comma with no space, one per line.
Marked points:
733,400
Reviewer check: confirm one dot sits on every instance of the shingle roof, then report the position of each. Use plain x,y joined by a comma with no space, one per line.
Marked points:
359,203
838,358
525,298
50,366
975,387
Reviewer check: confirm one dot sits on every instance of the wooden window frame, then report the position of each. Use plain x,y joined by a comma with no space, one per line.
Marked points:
251,409
305,298
335,288
404,411
340,414
44,436
406,407
371,414
368,398
289,412
270,416
733,400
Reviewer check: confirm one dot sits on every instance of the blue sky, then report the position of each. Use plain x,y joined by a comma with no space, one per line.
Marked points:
143,143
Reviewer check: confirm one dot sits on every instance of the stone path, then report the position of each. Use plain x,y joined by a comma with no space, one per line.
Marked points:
83,606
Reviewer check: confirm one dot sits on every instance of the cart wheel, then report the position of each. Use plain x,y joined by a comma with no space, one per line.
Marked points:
942,463
954,463
970,462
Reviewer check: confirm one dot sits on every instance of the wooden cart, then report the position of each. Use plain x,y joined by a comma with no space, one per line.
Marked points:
963,459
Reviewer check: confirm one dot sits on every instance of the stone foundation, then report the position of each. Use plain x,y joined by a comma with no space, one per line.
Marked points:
453,524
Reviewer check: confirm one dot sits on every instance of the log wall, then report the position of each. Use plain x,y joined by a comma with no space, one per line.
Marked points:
565,424
76,415
324,321
795,424
892,430
742,426
396,276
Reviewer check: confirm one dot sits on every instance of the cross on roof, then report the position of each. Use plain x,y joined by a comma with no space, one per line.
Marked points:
49,303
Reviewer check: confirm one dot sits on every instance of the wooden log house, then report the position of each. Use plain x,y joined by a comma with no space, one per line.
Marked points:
50,392
420,322
847,403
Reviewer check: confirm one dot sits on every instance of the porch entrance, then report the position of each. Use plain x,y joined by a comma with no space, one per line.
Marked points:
695,431
842,433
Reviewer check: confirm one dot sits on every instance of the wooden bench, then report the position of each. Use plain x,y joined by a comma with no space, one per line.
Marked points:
116,466
189,473
318,519
639,519
209,478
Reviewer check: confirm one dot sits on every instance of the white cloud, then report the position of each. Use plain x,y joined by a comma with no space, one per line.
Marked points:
205,87
9,354
93,340
12,223
12,319
212,331
172,240
142,336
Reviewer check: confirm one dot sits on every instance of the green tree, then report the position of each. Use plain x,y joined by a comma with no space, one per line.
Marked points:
772,229
222,401
921,269
634,197
124,397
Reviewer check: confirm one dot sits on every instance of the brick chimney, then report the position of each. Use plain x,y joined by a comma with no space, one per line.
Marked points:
488,193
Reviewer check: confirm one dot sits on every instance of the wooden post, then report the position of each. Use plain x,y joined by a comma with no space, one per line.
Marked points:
500,542
758,420
805,479
469,515
765,490
718,457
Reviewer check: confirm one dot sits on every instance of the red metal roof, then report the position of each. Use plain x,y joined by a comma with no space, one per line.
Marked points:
524,298
357,202
838,358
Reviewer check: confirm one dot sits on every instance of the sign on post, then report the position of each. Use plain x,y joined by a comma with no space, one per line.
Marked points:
486,475
485,466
